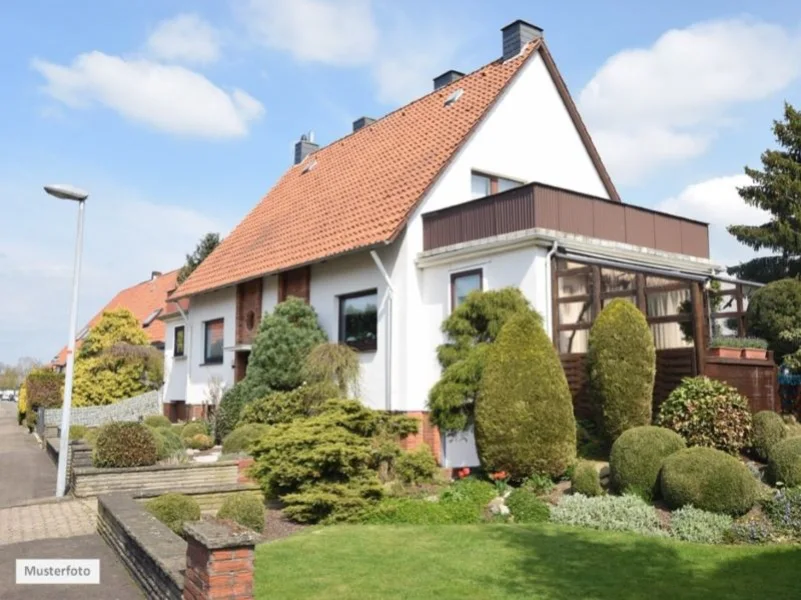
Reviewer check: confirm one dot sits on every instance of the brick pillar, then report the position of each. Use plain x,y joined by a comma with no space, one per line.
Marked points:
219,561
242,466
426,434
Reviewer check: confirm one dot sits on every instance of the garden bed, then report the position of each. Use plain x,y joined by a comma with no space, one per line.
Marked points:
494,562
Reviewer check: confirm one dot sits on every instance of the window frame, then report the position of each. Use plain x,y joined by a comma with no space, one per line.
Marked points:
182,353
494,187
468,273
212,360
342,299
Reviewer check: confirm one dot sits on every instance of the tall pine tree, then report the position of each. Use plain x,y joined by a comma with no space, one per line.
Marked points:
204,247
777,190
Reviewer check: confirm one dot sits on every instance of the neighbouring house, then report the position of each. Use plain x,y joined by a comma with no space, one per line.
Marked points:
146,300
490,180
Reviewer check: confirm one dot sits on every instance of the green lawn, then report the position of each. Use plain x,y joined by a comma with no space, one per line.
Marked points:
505,561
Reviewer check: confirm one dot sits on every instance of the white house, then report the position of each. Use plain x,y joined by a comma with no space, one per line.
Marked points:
490,180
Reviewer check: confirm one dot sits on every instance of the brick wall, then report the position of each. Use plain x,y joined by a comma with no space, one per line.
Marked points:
426,434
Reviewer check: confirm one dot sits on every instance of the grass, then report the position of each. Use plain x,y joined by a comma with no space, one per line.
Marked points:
490,562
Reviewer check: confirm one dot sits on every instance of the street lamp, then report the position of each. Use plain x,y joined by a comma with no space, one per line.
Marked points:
66,192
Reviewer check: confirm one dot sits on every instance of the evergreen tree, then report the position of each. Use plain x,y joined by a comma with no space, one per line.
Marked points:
777,190
204,247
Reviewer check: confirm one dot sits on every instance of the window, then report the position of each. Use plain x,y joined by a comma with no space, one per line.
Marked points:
178,348
462,284
358,320
483,185
213,345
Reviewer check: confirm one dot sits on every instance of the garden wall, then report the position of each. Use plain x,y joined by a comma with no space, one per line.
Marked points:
129,409
152,553
757,380
211,498
89,481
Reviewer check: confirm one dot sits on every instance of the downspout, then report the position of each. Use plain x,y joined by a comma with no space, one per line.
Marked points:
549,285
388,346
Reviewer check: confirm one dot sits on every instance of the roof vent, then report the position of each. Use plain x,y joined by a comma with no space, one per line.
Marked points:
516,35
454,97
362,122
304,147
309,167
446,78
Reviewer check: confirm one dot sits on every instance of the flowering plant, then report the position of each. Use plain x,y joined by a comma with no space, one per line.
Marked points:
463,472
501,479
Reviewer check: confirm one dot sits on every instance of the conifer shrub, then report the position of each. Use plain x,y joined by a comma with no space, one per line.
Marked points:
157,421
773,309
193,428
125,444
199,441
168,443
285,407
417,466
229,411
585,479
242,438
621,362
709,413
247,509
708,479
470,329
174,510
784,462
637,456
767,430
524,420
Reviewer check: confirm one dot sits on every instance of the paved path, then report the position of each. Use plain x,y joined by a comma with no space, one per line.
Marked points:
34,525
26,472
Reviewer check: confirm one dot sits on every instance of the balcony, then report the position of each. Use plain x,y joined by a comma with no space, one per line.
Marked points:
539,206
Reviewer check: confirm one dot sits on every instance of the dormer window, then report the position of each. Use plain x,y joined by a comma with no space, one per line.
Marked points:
482,184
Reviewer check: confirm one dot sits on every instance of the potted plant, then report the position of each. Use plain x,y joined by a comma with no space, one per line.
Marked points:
725,347
754,348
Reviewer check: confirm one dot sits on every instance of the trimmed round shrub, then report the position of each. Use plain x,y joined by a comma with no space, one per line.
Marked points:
524,421
241,438
78,431
695,525
637,456
710,480
768,430
622,365
773,309
125,444
199,441
157,421
586,480
168,443
708,413
229,411
418,466
90,437
192,429
525,507
246,509
174,510
784,462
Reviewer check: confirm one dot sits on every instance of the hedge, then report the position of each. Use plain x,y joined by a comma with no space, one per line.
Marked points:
768,430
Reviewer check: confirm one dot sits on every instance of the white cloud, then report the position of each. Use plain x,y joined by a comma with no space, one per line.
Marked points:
169,98
648,107
126,237
717,202
334,32
184,38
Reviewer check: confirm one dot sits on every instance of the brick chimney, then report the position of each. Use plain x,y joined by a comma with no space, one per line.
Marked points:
304,147
362,122
446,78
155,275
516,35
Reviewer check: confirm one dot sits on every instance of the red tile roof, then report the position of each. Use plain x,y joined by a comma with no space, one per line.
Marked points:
142,300
359,191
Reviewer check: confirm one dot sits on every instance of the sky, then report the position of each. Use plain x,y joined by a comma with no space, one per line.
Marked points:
179,115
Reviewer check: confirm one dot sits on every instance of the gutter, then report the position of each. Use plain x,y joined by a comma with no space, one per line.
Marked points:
388,344
548,286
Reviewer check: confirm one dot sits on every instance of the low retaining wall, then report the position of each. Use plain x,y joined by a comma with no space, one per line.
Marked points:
152,553
129,409
211,498
158,479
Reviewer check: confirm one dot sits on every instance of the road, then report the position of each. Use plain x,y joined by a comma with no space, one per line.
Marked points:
33,526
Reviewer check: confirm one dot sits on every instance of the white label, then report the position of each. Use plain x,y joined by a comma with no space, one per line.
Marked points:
58,571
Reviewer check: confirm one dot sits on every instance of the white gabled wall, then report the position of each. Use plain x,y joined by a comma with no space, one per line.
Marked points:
174,367
207,307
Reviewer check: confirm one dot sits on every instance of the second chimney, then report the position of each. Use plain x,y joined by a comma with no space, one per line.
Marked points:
362,122
446,78
155,275
516,35
304,147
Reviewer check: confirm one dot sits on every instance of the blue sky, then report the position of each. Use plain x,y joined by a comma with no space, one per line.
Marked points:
179,115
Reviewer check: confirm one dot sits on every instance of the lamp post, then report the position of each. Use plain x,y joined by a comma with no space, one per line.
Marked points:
65,192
